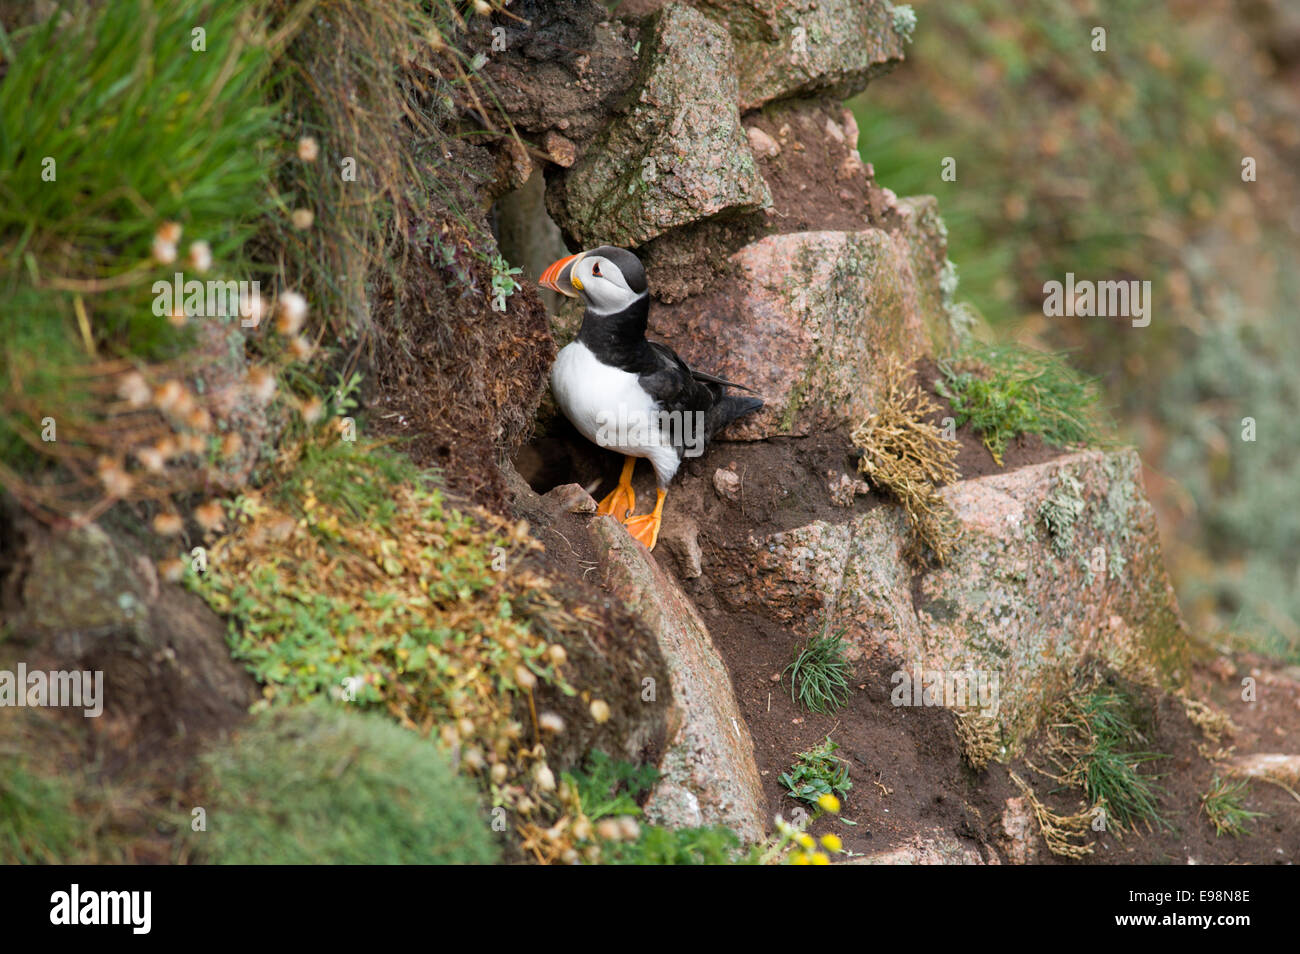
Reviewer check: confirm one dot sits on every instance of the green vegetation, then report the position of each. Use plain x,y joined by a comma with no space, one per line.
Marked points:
816,773
1096,742
39,821
1004,391
607,788
819,675
1223,806
314,785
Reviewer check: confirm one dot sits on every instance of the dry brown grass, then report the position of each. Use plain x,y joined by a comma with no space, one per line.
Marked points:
907,456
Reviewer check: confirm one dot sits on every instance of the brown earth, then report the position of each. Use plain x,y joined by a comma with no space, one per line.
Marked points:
908,775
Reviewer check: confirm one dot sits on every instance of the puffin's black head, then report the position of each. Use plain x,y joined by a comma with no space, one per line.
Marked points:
609,278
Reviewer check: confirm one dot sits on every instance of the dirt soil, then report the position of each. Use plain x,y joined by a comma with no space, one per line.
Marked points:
909,779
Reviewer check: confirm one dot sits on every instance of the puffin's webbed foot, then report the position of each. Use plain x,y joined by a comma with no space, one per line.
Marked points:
621,501
645,528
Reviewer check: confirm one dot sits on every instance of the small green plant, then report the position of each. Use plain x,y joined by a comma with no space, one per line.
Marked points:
818,772
608,787
1223,806
313,784
1097,745
904,18
819,675
1004,391
503,282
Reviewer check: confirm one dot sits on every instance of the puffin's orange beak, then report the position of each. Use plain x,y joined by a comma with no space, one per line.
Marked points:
558,277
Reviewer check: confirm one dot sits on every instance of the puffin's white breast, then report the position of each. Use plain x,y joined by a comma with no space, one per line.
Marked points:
610,408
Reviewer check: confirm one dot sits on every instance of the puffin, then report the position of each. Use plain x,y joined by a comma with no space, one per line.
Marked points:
627,394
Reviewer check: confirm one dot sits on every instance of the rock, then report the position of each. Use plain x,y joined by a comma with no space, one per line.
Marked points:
1016,603
559,64
763,145
727,484
1268,765
681,537
709,775
84,602
561,150
814,316
678,155
800,48
571,498
1019,831
844,488
936,847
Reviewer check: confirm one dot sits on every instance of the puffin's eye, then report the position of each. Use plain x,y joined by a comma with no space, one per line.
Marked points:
595,269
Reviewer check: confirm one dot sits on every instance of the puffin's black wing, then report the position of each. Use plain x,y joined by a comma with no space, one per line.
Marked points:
678,388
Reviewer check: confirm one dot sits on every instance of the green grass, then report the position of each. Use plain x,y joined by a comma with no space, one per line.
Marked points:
1004,391
1110,765
819,675
315,785
1223,806
818,772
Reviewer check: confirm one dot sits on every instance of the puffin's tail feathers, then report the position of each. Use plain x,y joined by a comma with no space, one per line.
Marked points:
728,409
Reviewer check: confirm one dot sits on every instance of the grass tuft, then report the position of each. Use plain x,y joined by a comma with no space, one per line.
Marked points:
1004,391
1223,806
819,675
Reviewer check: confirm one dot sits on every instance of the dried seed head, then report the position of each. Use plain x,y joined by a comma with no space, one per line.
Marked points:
168,396
302,219
199,420
312,409
231,444
498,773
557,654
609,829
172,570
300,348
545,778
631,830
133,389
150,459
163,252
168,524
525,678
482,8
550,722
117,482
291,314
261,384
308,149
600,710
210,515
200,256
169,232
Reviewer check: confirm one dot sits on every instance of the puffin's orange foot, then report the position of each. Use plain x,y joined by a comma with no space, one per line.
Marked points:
620,503
622,499
646,527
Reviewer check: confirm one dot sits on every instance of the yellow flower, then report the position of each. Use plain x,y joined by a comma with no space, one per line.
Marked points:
805,841
829,802
832,843
820,858
799,858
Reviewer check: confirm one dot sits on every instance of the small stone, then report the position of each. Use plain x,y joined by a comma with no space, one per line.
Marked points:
763,145
571,498
561,150
727,484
